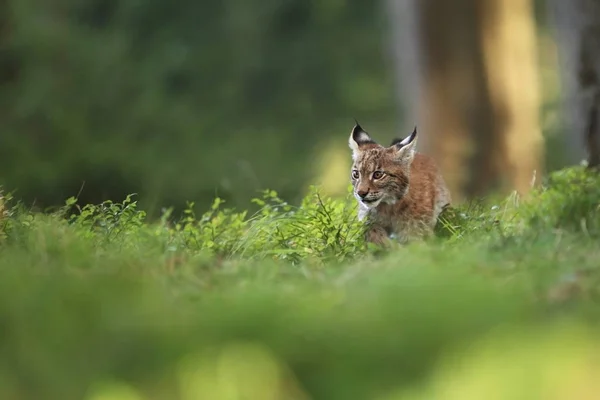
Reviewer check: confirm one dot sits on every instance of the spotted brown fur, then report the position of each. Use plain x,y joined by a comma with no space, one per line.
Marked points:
400,192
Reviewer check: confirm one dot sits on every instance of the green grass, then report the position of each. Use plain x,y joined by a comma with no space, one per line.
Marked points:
96,302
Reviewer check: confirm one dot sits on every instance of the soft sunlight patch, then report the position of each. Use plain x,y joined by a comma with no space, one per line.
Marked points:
238,371
558,365
333,169
114,391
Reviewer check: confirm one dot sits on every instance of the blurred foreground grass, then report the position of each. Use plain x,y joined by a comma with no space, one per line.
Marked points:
98,303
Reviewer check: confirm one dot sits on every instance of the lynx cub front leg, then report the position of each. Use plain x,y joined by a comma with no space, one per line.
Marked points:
377,234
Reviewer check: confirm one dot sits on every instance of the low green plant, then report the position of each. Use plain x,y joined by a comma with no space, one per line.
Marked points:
569,200
321,228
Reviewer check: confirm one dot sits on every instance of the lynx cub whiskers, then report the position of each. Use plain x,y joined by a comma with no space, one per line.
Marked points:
400,192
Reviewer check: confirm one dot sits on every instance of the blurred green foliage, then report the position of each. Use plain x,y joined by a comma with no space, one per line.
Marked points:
96,302
181,101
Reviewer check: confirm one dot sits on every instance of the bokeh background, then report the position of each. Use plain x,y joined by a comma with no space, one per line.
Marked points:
188,100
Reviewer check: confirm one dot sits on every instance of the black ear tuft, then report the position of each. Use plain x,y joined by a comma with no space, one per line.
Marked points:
360,136
395,141
406,140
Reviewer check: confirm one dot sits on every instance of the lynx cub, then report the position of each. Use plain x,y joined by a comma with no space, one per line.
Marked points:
400,192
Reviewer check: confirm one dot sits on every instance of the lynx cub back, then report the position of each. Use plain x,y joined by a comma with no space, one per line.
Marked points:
400,192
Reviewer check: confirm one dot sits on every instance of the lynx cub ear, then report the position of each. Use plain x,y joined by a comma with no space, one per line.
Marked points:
358,138
406,148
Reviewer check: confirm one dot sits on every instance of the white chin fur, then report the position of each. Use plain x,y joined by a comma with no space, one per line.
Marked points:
370,205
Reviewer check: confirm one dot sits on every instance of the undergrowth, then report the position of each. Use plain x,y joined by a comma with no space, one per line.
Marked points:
320,228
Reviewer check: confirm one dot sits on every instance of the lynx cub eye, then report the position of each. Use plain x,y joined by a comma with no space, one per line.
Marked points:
378,174
355,174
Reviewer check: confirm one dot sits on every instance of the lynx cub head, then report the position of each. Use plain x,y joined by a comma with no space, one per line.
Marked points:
380,174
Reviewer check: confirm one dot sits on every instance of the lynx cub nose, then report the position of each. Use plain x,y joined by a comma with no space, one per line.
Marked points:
362,193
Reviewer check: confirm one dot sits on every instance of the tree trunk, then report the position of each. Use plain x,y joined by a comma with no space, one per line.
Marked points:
478,92
578,36
403,46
